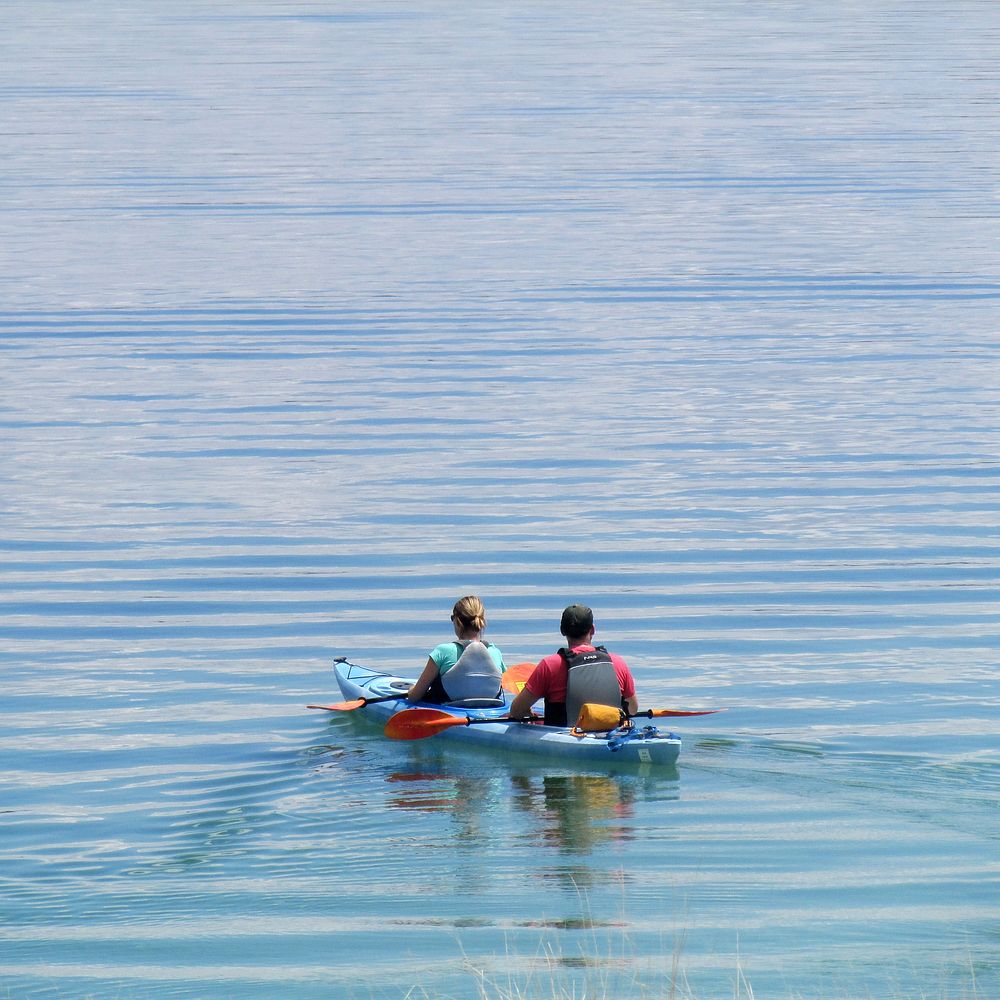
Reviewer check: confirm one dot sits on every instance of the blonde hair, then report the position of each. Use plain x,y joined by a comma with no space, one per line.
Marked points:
470,613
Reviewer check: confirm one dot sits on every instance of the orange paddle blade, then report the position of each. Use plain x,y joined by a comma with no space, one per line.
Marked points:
419,723
659,713
350,706
342,706
515,677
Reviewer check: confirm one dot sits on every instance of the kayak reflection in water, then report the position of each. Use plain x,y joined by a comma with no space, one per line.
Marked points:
467,666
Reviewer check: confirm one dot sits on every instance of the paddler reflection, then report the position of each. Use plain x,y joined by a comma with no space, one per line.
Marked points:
573,813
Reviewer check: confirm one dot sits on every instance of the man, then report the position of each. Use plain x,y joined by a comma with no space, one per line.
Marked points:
580,673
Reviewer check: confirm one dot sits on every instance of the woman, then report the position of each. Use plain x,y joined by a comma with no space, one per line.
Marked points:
467,667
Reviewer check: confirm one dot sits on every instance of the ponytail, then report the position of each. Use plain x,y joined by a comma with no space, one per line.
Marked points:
470,613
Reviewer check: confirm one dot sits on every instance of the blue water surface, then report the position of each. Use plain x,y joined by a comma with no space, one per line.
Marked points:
315,317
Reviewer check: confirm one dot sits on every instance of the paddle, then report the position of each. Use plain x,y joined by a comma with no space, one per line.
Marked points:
516,676
512,681
350,706
419,723
659,713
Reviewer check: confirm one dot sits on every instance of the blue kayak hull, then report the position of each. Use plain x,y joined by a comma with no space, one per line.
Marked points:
649,745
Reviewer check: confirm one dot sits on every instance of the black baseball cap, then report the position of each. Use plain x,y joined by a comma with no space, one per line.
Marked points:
577,620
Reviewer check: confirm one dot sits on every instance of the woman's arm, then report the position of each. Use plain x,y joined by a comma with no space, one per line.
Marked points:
424,681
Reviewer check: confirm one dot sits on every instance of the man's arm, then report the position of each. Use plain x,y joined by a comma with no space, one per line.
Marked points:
520,707
627,682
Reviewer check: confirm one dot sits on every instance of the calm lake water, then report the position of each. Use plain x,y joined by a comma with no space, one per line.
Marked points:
316,316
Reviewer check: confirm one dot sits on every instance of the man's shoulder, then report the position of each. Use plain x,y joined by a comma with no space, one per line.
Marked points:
550,661
619,662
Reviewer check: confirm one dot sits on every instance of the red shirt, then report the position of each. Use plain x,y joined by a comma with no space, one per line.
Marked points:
548,679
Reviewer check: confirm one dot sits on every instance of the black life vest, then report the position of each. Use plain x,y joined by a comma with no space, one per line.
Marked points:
591,678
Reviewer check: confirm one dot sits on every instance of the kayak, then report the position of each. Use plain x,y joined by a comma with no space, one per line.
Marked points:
637,744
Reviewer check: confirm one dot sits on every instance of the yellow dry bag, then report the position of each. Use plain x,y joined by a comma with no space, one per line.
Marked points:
598,719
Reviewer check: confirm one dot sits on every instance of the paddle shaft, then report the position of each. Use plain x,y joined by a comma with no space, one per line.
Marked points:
421,723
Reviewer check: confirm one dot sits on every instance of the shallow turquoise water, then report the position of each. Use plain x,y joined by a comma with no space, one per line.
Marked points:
316,318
